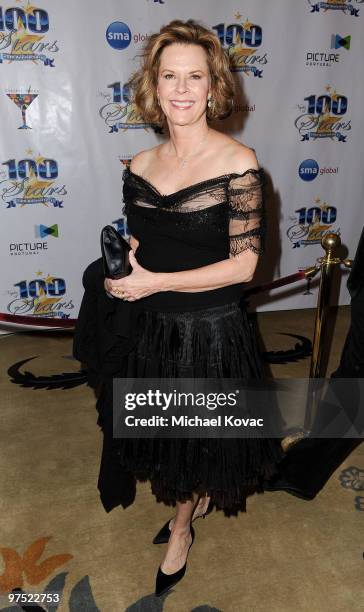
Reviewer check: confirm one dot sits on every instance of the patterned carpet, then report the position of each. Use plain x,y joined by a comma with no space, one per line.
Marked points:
285,554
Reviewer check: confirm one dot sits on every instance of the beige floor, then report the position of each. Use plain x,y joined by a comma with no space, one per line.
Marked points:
284,555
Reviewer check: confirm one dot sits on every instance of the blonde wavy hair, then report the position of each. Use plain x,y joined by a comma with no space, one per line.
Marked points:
143,84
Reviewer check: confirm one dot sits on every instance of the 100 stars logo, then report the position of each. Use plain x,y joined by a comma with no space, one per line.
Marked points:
43,296
30,181
323,116
243,41
22,35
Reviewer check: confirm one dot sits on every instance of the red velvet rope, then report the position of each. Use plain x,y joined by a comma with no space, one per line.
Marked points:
279,282
70,323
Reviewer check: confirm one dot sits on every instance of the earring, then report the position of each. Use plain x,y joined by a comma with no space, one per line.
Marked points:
158,101
209,101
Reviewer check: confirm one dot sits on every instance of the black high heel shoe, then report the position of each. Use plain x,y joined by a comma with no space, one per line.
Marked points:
163,534
164,582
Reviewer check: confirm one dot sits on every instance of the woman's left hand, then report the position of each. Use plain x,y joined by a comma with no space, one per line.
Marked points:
138,284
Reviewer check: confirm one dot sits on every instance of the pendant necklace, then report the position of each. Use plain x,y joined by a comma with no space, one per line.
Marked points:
184,160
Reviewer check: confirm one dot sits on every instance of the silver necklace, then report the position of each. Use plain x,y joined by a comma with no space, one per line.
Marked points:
184,160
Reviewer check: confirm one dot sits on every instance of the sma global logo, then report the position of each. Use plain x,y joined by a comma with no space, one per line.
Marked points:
308,170
118,35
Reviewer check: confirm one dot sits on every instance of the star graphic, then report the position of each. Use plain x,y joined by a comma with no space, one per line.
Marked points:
49,279
39,273
22,37
39,159
247,25
34,187
317,200
29,8
29,151
238,16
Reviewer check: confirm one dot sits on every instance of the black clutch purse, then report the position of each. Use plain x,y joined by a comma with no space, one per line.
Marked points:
115,253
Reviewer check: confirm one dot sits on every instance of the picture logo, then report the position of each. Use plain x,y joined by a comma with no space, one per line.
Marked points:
27,248
34,248
337,42
119,113
312,224
345,6
31,180
323,116
23,30
44,296
308,170
328,58
42,231
118,35
242,42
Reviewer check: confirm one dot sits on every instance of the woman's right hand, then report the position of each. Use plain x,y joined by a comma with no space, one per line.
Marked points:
134,243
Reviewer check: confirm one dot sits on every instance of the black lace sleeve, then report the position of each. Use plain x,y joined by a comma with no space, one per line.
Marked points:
247,220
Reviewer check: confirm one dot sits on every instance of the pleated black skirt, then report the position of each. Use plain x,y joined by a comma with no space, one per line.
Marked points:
218,341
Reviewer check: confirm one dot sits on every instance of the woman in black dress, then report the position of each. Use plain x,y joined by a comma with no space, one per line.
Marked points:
194,206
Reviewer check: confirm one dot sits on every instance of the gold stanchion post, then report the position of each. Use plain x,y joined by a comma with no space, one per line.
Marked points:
330,243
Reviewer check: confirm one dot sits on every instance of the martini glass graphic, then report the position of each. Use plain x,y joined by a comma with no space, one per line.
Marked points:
23,101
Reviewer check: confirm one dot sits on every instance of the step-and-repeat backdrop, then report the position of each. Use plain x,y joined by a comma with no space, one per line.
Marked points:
68,127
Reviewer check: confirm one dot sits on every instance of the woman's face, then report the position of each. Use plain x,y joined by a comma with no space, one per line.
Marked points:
183,83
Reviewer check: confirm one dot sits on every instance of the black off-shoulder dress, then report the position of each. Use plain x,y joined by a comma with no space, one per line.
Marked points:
190,334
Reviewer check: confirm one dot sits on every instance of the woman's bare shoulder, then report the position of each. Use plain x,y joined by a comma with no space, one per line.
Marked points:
141,160
236,156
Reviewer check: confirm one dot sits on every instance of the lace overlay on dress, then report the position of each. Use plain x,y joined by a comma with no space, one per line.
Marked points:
241,195
246,213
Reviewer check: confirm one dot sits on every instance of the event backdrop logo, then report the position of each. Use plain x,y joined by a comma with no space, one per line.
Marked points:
338,41
44,296
346,6
22,35
121,226
309,169
23,100
31,181
327,58
312,224
242,42
42,231
118,35
323,116
35,247
119,113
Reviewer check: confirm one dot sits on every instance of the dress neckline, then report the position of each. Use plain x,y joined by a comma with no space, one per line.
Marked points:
197,184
